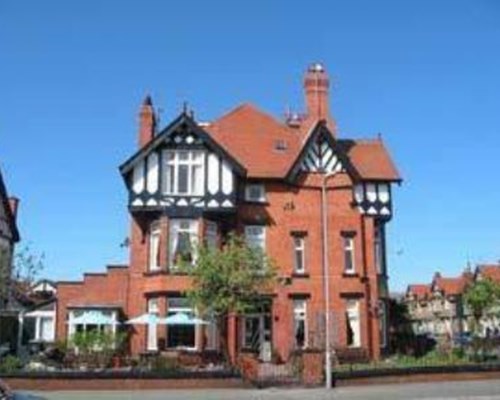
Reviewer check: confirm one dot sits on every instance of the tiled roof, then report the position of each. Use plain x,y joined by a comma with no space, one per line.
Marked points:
452,286
421,291
251,135
491,271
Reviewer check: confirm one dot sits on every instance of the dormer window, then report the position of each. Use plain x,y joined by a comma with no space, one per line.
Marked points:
183,172
255,192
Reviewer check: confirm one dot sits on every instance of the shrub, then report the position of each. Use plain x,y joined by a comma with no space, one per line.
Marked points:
10,364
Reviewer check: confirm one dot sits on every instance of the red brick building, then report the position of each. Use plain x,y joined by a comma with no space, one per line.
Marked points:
262,177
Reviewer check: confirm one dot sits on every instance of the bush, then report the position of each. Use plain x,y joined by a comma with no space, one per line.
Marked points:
162,364
10,364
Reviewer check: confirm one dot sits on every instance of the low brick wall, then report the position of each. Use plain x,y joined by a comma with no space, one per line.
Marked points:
121,384
312,368
122,380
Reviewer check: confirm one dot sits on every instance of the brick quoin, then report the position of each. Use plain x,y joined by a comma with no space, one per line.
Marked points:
291,206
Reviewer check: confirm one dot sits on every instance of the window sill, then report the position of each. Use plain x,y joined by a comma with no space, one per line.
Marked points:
350,275
156,272
300,275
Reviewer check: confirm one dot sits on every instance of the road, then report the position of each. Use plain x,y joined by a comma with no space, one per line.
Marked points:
469,390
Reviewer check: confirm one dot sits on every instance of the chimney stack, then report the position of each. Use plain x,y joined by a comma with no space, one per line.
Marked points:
316,86
147,122
14,205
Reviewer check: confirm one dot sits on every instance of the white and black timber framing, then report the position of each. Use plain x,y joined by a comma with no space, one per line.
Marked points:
143,173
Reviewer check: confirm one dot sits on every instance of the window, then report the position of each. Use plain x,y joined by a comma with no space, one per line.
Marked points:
300,323
348,244
299,254
255,192
382,320
46,329
184,172
211,236
154,248
153,308
379,250
180,336
183,239
255,236
353,331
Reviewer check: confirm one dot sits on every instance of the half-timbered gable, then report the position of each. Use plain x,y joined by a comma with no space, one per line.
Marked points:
182,167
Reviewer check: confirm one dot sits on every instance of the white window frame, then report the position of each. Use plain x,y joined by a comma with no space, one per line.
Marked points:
172,159
248,191
299,245
153,306
175,227
154,248
354,319
256,240
348,247
211,234
300,314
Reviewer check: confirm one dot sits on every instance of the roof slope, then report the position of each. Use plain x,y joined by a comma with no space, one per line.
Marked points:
420,291
251,136
491,271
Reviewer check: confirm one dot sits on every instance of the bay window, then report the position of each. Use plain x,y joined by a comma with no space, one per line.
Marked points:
184,172
180,336
154,248
183,239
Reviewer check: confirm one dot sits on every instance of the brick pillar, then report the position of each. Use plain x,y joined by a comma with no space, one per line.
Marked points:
232,338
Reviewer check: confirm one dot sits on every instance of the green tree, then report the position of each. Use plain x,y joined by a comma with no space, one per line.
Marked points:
228,280
481,297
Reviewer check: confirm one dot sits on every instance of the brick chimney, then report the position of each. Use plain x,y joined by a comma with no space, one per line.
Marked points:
316,87
14,205
147,122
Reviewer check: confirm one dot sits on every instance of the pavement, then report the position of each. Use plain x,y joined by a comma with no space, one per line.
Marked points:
467,390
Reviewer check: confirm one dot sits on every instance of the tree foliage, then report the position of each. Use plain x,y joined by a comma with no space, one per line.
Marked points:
229,280
481,297
27,265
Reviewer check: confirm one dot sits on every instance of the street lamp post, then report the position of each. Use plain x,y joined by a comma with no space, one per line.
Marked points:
326,278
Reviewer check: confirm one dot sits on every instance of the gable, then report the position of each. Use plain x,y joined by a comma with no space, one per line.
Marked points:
153,174
321,154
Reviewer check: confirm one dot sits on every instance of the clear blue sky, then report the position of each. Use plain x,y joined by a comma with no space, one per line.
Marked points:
424,73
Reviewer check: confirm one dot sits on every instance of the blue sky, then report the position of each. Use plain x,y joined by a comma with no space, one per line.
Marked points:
423,73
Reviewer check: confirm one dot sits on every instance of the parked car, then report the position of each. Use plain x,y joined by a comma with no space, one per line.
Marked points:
462,339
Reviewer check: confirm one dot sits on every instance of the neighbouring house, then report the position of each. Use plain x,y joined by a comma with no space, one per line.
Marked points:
262,177
36,307
9,236
438,309
490,322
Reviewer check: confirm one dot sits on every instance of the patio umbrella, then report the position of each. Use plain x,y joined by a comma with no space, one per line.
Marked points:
146,319
184,319
94,318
